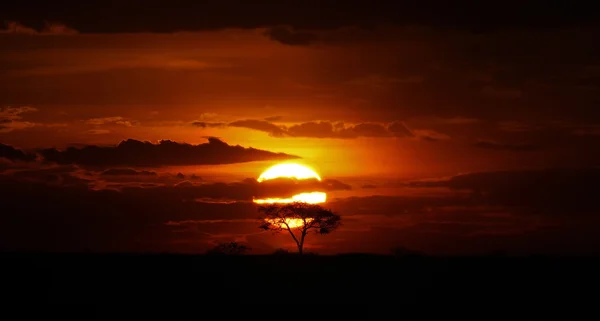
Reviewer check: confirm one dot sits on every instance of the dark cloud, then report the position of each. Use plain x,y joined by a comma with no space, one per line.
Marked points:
429,135
203,15
119,178
126,172
399,129
396,206
136,153
246,190
289,36
14,154
136,182
118,120
429,139
334,185
68,175
273,118
503,146
265,125
319,129
366,130
49,28
203,124
314,129
260,125
76,219
556,191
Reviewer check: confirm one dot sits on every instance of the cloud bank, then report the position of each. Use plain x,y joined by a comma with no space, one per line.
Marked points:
137,153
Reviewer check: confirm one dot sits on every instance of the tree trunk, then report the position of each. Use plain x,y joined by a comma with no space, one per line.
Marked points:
298,243
301,243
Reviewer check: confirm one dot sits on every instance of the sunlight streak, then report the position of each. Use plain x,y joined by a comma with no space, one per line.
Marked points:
310,198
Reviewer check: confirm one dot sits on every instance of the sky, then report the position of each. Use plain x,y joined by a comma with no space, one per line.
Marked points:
143,127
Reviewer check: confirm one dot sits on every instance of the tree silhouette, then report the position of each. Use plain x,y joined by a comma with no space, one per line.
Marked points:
298,219
230,248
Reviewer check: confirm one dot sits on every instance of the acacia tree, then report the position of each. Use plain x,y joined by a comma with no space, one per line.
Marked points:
299,219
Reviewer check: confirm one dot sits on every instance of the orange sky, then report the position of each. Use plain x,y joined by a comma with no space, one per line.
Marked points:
373,109
103,88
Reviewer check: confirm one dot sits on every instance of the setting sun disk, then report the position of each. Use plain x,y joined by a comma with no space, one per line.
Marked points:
296,171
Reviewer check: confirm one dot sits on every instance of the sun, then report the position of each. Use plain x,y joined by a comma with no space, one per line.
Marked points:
296,171
292,170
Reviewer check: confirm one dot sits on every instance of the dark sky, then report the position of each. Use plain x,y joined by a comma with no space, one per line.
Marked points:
142,126
143,16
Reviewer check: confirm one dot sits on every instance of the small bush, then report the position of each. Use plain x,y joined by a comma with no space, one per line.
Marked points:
229,248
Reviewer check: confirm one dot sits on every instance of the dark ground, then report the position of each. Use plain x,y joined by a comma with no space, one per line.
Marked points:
275,280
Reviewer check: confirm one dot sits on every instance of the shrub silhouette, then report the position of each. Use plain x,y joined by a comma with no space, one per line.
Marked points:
229,248
281,252
400,251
